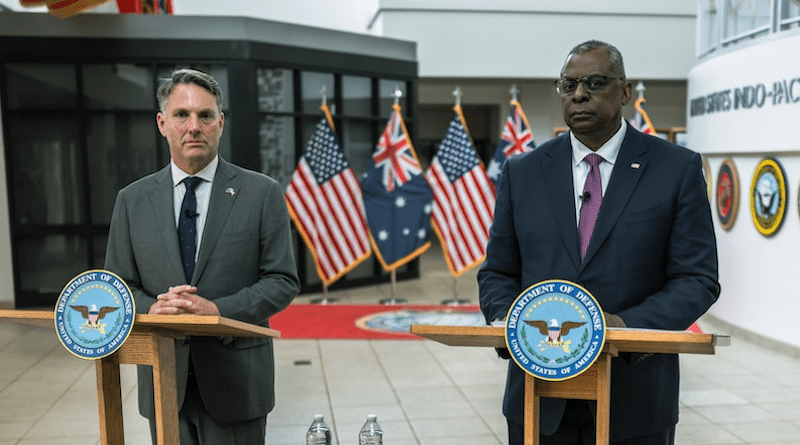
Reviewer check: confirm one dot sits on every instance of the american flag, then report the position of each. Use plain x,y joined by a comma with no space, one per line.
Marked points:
324,200
515,138
640,120
463,198
397,198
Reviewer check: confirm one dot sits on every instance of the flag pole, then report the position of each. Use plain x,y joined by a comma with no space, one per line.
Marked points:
393,273
393,291
324,300
640,89
455,301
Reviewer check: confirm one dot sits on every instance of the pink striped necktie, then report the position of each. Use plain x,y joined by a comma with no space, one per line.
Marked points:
592,198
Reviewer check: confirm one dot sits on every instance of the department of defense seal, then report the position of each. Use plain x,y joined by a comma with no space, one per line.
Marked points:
94,314
768,196
555,330
727,194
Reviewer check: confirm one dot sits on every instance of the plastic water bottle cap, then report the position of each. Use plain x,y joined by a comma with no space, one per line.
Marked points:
372,417
318,417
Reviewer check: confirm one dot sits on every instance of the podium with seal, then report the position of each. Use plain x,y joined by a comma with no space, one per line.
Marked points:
151,343
95,319
556,332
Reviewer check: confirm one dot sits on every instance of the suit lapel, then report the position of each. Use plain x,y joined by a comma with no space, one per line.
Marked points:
630,165
164,213
219,207
557,173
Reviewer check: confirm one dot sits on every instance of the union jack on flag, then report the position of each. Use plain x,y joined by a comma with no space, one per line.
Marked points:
393,155
324,200
397,198
516,138
463,199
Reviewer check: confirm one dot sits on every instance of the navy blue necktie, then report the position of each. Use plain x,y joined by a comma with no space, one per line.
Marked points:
187,227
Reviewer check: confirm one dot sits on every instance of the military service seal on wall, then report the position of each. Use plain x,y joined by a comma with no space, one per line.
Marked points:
727,194
555,330
94,314
768,196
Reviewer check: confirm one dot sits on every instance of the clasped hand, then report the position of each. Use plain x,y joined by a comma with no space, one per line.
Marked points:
183,299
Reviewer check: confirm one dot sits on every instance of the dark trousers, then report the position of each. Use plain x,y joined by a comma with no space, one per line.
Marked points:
197,427
578,428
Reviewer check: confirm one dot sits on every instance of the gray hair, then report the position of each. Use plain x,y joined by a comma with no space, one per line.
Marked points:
614,56
185,76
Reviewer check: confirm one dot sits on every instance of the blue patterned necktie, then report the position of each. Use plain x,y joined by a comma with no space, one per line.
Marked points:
592,198
187,227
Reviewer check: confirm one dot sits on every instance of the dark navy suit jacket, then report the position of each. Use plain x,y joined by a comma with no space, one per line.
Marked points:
652,260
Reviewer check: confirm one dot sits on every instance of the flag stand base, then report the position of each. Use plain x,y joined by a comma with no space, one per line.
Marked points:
455,302
392,301
324,299
393,290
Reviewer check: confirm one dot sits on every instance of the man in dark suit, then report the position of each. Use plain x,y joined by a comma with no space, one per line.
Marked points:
649,258
236,260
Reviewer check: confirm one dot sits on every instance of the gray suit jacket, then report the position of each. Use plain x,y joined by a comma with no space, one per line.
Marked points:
246,266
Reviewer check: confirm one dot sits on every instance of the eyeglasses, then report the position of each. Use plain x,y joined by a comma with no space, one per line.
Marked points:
594,84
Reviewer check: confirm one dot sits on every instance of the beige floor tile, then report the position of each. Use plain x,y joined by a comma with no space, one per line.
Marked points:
469,426
764,432
704,435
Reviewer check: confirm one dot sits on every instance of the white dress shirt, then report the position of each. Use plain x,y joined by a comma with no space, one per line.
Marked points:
580,169
202,193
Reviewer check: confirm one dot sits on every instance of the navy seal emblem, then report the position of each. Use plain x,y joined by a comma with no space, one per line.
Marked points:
555,330
94,314
768,196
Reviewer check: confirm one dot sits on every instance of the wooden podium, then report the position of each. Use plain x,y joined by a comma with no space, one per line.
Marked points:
151,343
594,383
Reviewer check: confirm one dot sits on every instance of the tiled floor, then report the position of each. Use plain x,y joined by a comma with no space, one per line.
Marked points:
423,392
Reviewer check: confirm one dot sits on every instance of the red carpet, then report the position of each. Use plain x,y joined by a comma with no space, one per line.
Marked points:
351,321
695,328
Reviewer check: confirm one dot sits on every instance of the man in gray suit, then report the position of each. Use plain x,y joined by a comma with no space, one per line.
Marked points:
235,259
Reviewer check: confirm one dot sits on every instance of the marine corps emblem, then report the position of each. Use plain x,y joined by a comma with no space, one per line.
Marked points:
727,194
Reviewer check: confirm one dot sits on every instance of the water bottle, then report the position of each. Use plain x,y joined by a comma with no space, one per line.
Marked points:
318,433
371,433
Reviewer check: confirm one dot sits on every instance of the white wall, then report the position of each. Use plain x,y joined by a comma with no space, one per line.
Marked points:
508,39
6,272
758,292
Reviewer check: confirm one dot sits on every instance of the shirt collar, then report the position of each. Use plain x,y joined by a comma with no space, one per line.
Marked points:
207,173
608,151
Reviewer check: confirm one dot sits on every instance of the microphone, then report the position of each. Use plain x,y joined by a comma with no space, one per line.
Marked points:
191,214
585,196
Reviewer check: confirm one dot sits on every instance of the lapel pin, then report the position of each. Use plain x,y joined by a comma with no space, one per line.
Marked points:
635,165
230,191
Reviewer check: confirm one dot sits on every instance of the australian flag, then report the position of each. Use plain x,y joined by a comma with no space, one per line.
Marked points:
515,138
397,198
